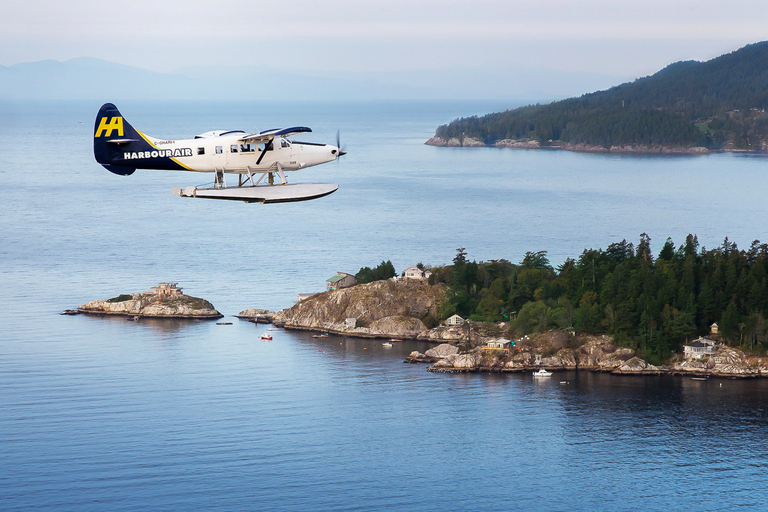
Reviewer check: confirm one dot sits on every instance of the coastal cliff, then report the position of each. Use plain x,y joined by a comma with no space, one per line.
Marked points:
381,309
149,305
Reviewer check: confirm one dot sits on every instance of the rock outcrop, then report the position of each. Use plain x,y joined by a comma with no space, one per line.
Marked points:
149,305
382,309
258,316
726,362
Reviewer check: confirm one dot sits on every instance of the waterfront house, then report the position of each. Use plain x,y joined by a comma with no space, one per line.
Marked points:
714,328
699,348
350,323
340,280
499,345
455,320
165,290
415,272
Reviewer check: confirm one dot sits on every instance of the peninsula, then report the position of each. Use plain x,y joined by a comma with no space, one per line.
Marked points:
688,107
688,310
164,301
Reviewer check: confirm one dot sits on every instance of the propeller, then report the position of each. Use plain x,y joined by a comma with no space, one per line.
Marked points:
338,144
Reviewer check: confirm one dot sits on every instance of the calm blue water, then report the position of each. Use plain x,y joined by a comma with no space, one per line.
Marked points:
104,414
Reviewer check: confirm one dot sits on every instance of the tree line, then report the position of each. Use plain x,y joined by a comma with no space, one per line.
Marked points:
652,303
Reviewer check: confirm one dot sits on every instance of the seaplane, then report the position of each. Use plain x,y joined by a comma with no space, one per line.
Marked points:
259,160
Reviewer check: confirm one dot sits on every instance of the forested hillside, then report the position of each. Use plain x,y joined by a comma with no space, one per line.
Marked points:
718,104
652,303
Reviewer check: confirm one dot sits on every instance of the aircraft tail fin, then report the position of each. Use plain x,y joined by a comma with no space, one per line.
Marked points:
111,134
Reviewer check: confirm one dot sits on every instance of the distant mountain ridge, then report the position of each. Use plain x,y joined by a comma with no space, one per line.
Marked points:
718,105
95,79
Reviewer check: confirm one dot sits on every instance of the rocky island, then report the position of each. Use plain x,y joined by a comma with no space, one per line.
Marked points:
164,301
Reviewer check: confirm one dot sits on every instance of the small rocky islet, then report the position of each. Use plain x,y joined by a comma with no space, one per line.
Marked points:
163,302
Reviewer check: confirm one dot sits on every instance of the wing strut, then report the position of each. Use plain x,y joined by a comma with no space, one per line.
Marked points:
267,147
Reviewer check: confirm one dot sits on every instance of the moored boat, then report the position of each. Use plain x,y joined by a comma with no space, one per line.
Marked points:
542,373
266,336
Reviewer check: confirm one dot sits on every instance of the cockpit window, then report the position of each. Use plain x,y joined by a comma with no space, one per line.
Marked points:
284,143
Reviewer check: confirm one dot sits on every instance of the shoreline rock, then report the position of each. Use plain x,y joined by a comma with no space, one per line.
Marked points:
597,354
257,316
383,309
639,149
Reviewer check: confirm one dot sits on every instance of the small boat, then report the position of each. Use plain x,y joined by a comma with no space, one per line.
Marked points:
223,323
394,340
699,378
542,373
266,336
387,344
323,335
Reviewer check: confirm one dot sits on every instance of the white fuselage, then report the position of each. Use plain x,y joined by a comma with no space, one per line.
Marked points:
221,151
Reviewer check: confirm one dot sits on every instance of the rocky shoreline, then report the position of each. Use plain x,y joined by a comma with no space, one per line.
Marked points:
594,354
140,305
382,309
471,142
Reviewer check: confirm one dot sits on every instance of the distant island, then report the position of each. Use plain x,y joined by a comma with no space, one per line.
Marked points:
164,301
687,107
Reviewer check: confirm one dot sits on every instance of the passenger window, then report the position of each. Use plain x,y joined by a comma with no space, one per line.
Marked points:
284,143
219,150
200,151
233,148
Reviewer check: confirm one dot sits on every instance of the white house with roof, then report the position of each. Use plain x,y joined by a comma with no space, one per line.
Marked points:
699,348
454,321
340,280
414,272
165,290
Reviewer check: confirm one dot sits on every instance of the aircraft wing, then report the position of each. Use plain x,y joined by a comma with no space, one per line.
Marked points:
268,135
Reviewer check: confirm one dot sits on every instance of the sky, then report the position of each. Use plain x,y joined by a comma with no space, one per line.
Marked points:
615,37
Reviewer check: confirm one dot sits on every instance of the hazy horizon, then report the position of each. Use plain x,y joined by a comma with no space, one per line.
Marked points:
615,40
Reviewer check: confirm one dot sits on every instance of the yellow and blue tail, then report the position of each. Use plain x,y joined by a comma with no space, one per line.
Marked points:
119,147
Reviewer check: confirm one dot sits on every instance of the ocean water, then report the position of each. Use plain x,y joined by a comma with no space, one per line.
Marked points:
104,414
